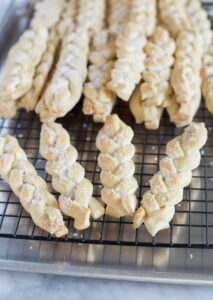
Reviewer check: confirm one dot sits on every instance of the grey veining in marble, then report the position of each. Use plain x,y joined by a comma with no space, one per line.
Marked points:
21,286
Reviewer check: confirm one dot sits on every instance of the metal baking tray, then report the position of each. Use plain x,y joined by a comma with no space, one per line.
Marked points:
110,248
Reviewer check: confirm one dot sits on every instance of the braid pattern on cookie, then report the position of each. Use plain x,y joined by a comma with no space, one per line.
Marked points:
183,155
185,78
68,176
129,48
148,100
117,167
29,187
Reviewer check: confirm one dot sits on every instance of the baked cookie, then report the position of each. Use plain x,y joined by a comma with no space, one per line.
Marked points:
166,186
68,176
148,100
117,167
29,187
130,43
185,78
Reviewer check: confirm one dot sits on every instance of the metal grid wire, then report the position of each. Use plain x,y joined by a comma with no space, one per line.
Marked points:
192,226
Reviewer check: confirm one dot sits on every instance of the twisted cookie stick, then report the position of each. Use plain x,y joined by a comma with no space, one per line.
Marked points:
115,160
157,206
185,78
207,78
43,69
29,187
68,179
148,100
30,99
65,87
130,43
26,54
99,100
20,67
198,18
173,15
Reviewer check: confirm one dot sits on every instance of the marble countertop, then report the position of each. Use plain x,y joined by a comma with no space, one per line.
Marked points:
20,286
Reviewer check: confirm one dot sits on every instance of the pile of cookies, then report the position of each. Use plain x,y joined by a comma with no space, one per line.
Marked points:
156,55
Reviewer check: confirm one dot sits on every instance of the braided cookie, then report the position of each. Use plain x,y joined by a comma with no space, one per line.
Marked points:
20,68
99,100
43,69
130,43
207,78
157,206
68,179
117,167
198,18
65,87
30,99
26,54
186,79
29,187
148,100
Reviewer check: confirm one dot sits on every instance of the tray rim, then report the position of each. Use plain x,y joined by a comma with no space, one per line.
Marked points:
107,273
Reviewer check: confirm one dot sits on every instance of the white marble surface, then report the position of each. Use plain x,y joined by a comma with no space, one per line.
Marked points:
20,286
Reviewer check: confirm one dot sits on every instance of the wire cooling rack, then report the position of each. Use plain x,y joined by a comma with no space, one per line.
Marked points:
192,226
193,223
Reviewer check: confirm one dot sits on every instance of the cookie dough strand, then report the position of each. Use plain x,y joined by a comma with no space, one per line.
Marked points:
173,15
129,48
185,78
148,100
158,204
32,190
68,176
207,78
117,167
